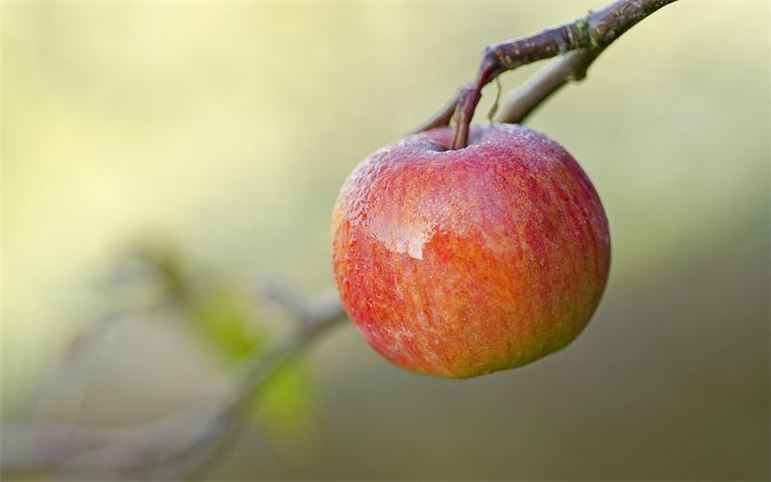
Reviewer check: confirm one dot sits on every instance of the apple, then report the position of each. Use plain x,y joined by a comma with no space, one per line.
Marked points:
457,263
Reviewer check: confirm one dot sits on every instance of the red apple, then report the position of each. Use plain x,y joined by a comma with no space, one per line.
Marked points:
462,262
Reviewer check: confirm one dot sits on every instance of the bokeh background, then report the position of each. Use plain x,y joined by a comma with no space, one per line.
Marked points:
222,131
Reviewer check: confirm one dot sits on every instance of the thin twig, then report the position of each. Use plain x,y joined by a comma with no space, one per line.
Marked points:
593,32
521,102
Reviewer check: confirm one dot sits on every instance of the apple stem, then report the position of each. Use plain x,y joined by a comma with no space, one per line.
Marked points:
469,98
588,36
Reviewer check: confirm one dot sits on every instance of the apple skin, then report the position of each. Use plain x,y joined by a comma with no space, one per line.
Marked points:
457,263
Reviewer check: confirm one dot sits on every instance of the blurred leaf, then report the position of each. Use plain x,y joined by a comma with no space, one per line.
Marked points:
221,310
226,320
284,408
164,255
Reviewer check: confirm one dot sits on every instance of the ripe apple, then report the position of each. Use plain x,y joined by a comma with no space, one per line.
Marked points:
458,263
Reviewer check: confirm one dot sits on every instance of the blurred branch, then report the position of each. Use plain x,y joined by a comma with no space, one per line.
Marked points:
591,34
177,446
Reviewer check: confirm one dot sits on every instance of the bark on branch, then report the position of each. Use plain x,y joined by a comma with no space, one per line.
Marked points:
591,33
521,102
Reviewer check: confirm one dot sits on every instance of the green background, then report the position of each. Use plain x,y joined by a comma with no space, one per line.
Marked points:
228,127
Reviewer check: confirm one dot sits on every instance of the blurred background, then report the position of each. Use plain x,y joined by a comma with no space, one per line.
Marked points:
211,139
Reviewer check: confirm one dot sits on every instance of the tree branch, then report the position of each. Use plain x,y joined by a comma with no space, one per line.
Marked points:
521,102
174,447
591,33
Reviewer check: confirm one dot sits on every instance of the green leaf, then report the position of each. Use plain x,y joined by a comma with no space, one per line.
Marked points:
285,405
225,319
